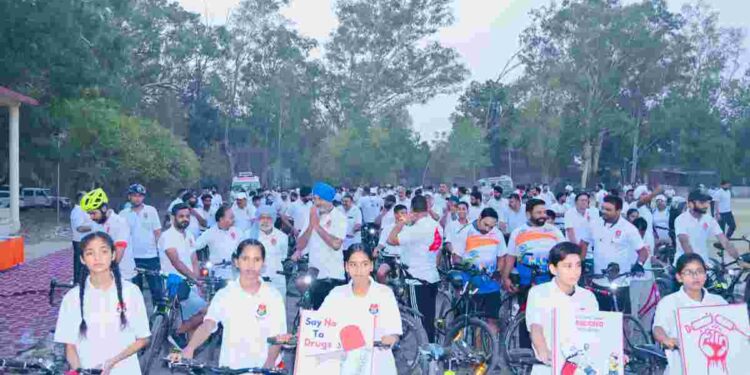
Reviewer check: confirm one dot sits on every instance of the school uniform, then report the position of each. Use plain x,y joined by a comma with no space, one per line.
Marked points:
543,300
104,337
380,303
666,318
248,320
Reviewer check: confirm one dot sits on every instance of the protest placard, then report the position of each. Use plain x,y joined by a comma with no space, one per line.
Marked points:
334,343
587,343
714,339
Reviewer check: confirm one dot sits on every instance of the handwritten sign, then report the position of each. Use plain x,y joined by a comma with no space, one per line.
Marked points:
714,338
334,344
587,343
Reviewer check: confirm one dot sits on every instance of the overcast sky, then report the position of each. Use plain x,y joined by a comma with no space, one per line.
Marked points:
485,34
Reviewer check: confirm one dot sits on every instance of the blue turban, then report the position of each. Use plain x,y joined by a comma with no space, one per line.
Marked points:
324,191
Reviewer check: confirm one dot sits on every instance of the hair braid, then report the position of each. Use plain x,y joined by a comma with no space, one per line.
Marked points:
118,284
82,328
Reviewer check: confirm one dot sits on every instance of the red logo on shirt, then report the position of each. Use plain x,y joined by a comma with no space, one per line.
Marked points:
618,233
234,235
705,226
273,241
374,310
262,311
436,242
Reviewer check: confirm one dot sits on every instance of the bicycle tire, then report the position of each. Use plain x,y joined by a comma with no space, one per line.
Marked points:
443,315
488,339
156,343
513,354
636,335
414,337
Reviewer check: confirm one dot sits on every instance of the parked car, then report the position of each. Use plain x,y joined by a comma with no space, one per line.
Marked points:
36,197
64,201
5,199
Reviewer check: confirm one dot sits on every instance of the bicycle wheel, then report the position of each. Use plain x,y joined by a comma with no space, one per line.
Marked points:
443,315
518,359
509,310
636,335
406,351
158,335
471,344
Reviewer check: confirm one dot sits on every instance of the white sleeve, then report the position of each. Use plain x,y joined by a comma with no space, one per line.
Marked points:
569,219
138,317
216,310
715,228
664,316
280,326
391,316
407,236
512,250
203,240
338,228
534,312
502,249
155,221
679,227
68,319
357,216
77,219
459,243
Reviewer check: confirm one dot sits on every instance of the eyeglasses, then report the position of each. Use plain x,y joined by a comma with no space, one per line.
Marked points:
691,273
359,264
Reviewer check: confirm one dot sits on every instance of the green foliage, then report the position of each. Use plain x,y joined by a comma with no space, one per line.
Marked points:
105,146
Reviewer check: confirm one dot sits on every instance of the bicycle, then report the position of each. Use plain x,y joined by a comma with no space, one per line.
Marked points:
54,284
194,367
414,336
12,366
633,332
724,278
468,337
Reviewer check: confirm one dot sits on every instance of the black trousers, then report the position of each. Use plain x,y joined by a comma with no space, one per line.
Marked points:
424,297
77,265
727,220
320,288
155,283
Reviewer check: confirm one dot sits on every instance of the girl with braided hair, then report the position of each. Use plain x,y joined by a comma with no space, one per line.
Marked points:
103,321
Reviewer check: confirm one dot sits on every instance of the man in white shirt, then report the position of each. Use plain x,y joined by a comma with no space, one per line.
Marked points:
421,243
440,199
514,216
197,221
222,240
207,212
476,205
277,247
723,198
145,229
618,243
80,225
402,198
370,206
300,212
578,223
497,202
453,227
385,249
178,257
547,195
559,208
323,239
570,201
353,222
694,227
217,200
600,194
244,214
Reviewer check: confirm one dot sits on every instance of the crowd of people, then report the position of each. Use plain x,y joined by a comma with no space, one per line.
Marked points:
510,234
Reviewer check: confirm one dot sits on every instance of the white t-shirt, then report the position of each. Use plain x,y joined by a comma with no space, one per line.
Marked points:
248,320
221,244
514,219
353,217
615,243
329,261
405,202
452,228
661,219
560,210
378,303
300,213
580,223
142,226
104,338
383,241
482,249
277,247
420,244
666,318
195,227
499,205
475,211
216,201
79,218
370,206
543,300
243,217
438,204
210,217
599,196
723,199
698,232
535,242
184,243
117,228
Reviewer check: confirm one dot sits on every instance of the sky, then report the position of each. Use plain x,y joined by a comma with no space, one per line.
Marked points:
485,34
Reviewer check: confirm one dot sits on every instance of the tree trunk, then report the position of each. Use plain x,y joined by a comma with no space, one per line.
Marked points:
597,151
586,161
634,158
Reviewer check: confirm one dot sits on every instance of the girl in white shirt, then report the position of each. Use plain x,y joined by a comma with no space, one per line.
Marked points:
362,296
103,321
691,273
250,310
561,293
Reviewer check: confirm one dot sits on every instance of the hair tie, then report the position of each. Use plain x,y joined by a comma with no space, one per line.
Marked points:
121,307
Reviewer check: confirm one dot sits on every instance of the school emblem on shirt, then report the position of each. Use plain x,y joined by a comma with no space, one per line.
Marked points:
374,310
262,311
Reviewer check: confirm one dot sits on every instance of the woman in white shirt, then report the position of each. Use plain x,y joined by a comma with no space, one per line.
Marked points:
250,310
103,321
561,293
362,296
691,273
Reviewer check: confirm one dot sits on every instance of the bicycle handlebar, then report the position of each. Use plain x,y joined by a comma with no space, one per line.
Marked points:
194,365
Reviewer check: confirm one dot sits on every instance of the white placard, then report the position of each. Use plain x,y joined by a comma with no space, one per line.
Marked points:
587,343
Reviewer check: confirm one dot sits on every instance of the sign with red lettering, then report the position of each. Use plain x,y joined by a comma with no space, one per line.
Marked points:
334,344
713,339
587,343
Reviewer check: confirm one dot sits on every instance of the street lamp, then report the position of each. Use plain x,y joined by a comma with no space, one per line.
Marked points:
59,137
